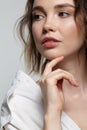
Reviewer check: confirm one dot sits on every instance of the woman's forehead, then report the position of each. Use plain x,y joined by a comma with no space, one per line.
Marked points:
51,2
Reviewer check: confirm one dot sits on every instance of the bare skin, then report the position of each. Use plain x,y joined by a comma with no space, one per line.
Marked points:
58,98
51,85
64,82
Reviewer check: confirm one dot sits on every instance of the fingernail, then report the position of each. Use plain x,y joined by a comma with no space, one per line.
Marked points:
76,83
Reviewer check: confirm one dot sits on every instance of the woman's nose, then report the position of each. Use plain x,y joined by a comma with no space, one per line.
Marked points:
49,25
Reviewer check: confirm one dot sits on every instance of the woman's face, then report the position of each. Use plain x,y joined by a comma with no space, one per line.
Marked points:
54,28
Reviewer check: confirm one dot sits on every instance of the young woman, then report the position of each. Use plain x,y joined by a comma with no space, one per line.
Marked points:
56,47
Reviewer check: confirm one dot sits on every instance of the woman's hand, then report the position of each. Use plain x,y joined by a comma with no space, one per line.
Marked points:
51,86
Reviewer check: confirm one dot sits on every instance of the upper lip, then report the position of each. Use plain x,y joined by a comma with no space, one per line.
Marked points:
47,39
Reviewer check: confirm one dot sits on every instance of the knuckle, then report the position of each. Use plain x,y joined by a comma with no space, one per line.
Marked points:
60,71
42,80
48,65
72,77
47,81
65,74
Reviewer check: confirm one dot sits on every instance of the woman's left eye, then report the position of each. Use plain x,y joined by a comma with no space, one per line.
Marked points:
63,14
37,17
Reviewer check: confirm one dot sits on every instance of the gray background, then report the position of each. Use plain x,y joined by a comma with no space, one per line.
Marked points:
10,47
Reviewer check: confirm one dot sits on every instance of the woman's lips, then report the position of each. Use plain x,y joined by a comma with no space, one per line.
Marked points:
50,42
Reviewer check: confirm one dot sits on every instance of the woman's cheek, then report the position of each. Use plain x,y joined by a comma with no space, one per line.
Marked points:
37,31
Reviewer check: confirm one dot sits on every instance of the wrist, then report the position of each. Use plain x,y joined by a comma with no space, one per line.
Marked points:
52,121
52,116
52,110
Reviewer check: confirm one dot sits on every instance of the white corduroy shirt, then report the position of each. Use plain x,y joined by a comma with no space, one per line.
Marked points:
22,108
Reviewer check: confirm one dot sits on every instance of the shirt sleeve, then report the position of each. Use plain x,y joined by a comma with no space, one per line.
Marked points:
22,108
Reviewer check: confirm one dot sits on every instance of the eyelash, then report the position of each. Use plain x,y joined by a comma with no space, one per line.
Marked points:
63,14
37,17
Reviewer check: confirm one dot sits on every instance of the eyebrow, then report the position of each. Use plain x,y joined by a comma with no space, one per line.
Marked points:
40,8
64,5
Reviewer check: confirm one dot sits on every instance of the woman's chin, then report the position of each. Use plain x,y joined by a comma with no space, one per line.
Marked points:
51,57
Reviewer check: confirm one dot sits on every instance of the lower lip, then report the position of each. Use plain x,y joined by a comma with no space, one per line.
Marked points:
50,44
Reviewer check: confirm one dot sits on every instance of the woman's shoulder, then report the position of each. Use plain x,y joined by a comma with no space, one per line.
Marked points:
27,86
24,85
24,99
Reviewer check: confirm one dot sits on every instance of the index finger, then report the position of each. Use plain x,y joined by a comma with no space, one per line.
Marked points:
51,64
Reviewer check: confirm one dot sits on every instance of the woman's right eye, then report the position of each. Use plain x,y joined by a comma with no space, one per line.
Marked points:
37,17
63,14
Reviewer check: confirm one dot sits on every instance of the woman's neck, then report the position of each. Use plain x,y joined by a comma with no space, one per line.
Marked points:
76,65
